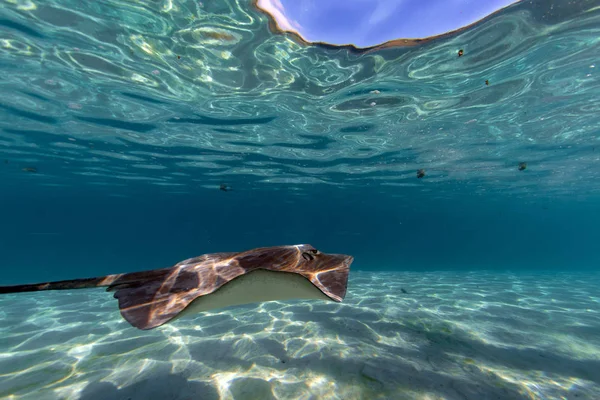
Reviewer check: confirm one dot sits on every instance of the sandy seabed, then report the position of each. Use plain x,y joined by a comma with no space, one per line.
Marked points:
408,335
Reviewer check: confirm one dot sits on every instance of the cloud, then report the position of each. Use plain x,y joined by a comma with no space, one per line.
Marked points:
277,10
384,10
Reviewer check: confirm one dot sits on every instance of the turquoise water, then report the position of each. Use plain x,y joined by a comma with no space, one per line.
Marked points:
119,121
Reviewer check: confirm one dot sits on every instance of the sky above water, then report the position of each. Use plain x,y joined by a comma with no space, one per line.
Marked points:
366,23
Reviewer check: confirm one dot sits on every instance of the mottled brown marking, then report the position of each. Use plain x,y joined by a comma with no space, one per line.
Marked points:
148,299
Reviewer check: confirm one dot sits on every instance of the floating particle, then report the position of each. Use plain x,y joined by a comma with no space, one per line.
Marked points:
30,169
460,52
373,104
375,91
224,187
487,82
522,166
179,57
156,72
75,106
420,173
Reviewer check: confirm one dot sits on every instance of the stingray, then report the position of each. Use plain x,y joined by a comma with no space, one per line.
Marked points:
148,299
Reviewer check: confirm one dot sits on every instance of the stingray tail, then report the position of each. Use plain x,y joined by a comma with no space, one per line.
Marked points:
58,285
112,282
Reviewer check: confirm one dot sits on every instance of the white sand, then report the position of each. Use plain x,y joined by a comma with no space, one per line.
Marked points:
452,336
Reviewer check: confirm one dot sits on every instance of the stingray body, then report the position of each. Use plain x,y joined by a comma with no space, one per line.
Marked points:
148,299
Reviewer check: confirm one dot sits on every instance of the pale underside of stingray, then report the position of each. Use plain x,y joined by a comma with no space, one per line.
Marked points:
148,299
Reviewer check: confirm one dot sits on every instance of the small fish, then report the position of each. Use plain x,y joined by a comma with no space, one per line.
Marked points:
30,169
403,291
460,52
225,188
420,173
487,82
522,166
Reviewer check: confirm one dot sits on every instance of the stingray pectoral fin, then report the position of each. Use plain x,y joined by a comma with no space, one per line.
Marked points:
332,283
333,279
149,303
145,309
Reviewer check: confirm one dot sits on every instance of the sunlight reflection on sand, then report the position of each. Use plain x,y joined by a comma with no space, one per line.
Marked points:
452,335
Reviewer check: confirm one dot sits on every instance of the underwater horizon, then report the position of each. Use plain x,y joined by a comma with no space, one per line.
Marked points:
461,172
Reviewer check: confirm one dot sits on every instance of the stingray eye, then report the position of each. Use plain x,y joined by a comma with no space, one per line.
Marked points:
308,256
314,251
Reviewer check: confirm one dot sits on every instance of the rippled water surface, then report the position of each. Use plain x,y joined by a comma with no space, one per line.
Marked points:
173,93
